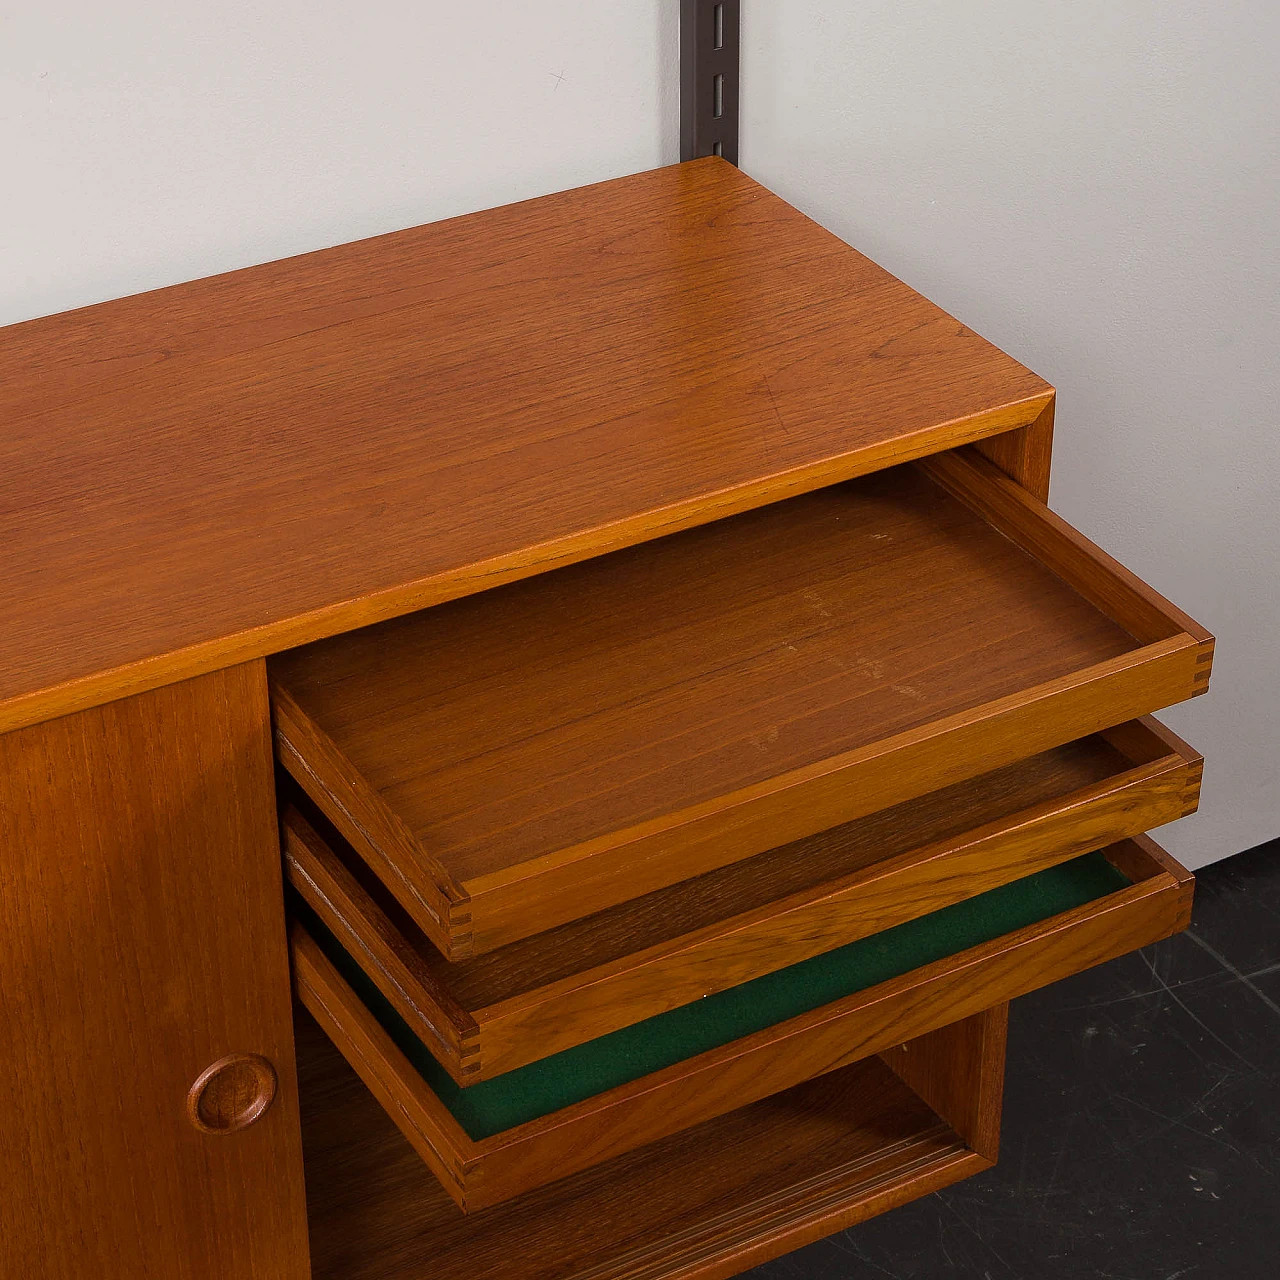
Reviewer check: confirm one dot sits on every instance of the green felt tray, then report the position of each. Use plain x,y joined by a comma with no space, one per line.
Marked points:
645,1047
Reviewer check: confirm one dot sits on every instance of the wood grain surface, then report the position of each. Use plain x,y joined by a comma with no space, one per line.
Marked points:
537,753
535,997
225,468
1049,539
702,1205
483,1173
142,941
959,1071
1025,454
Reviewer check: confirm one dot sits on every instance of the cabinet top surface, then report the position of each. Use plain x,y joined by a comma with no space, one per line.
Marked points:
215,471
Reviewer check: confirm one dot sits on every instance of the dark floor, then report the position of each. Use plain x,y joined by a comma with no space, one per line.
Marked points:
1142,1122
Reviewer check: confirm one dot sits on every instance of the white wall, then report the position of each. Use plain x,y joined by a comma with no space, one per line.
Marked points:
144,142
1093,184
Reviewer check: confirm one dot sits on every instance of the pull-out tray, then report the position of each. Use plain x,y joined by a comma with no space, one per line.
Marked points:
540,752
538,996
595,1101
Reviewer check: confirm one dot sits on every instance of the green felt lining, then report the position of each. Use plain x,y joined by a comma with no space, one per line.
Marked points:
645,1047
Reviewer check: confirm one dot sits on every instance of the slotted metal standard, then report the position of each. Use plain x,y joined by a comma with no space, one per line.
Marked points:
709,44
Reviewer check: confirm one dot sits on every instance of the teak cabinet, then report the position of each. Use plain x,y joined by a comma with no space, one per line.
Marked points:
611,660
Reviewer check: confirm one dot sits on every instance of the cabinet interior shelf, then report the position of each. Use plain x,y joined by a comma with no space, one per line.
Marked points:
710,1201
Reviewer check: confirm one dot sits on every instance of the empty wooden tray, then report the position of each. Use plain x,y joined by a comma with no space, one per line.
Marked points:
587,1104
531,755
533,998
701,1205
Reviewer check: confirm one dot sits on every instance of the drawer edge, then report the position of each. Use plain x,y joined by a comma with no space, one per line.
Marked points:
311,758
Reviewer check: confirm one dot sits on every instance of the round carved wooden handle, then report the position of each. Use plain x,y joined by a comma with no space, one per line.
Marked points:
232,1094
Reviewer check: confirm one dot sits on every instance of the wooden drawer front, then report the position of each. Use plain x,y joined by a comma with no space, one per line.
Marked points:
557,1131
534,998
544,751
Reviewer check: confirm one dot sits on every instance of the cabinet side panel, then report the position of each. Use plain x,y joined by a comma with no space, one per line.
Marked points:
1025,454
141,940
959,1071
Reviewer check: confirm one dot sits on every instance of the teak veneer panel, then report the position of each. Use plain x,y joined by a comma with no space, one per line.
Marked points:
485,1172
1025,454
535,997
959,1071
532,755
226,468
142,939
701,1205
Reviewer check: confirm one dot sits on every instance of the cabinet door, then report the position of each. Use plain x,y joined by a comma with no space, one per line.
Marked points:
142,942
